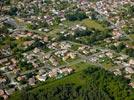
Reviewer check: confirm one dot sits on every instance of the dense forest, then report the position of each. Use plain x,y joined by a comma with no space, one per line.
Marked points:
90,84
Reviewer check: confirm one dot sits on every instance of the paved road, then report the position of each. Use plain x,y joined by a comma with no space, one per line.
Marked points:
88,58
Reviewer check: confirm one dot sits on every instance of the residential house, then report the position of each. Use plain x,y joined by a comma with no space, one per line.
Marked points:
129,70
131,84
53,73
42,77
131,62
66,70
31,81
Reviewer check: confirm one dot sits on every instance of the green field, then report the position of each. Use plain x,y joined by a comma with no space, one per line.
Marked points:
88,23
88,81
93,24
132,36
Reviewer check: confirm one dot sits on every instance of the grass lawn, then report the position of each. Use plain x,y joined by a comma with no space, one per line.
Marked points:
132,36
71,23
108,65
81,66
60,61
93,24
75,46
69,60
106,62
54,32
88,23
130,43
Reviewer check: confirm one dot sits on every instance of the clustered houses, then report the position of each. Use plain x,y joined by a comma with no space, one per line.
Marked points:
48,64
33,13
63,50
65,54
109,7
41,7
110,10
3,82
70,31
38,58
61,45
3,94
5,51
54,73
116,34
37,13
84,49
127,70
25,34
8,64
60,71
34,56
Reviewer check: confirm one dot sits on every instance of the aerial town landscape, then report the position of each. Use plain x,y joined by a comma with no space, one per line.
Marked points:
66,50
